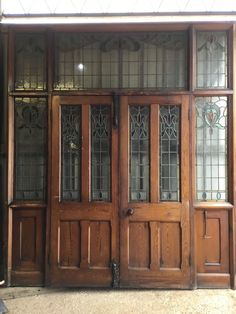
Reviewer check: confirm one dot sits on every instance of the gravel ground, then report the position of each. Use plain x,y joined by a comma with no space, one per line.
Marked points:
58,301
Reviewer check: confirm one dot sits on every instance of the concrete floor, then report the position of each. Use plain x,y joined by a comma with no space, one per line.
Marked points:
52,301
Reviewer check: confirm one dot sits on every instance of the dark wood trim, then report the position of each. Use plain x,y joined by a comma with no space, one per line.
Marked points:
215,280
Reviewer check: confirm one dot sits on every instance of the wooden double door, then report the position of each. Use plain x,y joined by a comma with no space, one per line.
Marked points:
120,192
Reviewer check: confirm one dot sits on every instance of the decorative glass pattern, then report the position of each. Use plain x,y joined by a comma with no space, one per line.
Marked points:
30,149
30,56
121,60
100,152
211,148
212,60
139,153
71,152
169,152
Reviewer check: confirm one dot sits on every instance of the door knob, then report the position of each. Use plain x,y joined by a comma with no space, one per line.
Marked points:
130,211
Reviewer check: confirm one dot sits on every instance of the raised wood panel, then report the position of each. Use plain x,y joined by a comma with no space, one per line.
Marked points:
139,245
170,234
100,244
70,244
27,246
212,241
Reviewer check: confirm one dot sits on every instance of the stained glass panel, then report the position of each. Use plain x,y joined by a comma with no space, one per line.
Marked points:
212,60
30,55
30,148
71,152
211,148
121,60
169,152
139,153
100,151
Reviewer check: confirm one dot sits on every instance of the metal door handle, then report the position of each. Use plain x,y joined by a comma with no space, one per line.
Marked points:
130,211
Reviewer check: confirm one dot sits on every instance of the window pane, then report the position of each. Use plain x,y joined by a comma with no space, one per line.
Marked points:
212,60
211,148
30,54
71,152
100,152
30,148
121,60
169,153
139,153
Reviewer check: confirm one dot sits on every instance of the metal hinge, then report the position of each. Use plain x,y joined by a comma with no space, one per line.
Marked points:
116,102
115,274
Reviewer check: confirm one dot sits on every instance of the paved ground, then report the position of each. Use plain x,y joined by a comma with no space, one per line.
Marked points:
63,301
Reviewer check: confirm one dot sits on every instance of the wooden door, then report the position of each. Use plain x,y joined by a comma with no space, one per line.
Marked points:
154,191
84,192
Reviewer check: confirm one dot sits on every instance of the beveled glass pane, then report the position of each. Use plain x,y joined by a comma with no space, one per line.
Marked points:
30,58
30,148
139,153
211,148
212,59
71,152
120,60
169,152
101,152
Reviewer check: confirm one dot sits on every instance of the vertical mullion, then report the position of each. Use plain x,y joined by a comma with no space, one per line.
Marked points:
85,153
154,154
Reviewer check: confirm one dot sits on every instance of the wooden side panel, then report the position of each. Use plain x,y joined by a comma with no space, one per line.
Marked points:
70,244
170,234
100,244
212,241
139,245
27,246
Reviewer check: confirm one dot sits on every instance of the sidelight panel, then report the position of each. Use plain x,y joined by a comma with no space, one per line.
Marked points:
211,148
71,152
30,149
139,153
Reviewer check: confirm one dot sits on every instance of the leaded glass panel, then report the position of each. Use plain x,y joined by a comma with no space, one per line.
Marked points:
30,149
71,152
139,153
100,152
30,67
212,60
120,60
211,148
169,152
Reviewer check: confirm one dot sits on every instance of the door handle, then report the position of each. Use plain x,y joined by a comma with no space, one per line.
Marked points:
130,211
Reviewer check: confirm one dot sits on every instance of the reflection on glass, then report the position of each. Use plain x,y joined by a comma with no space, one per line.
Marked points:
30,148
211,59
211,148
71,152
139,153
100,152
169,153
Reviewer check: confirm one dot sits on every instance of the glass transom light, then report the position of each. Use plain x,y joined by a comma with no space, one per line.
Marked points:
121,60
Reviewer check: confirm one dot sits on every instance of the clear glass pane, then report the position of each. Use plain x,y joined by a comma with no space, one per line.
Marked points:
169,152
121,60
211,148
30,148
139,153
100,152
71,152
30,55
212,60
